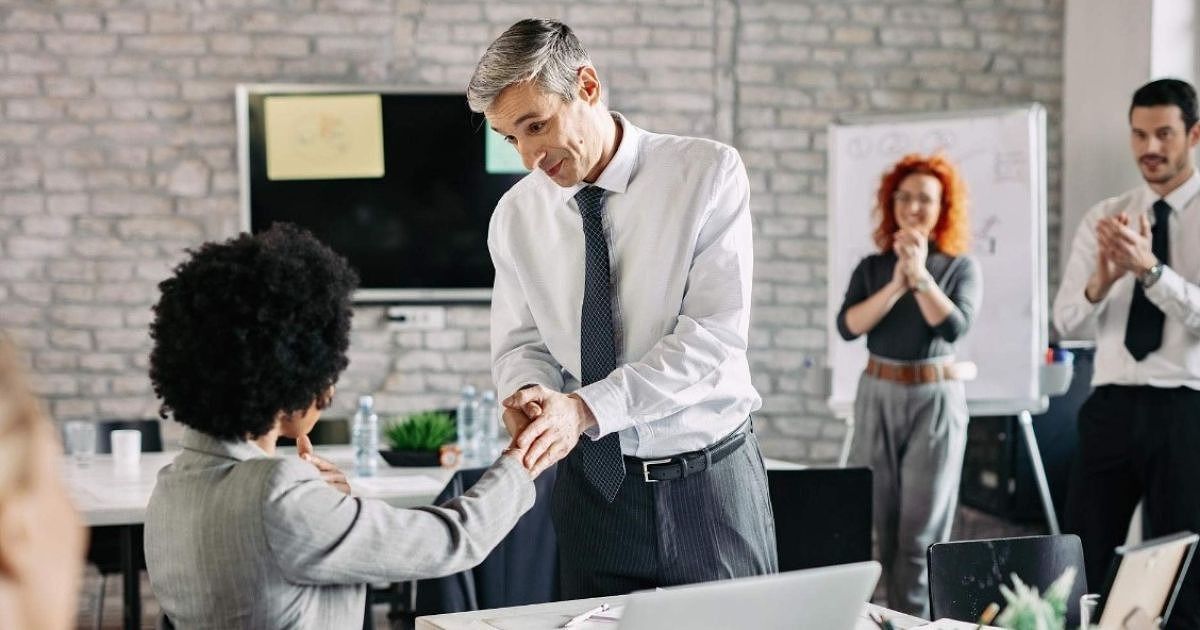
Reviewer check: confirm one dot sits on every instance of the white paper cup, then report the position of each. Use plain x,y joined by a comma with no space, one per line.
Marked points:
126,446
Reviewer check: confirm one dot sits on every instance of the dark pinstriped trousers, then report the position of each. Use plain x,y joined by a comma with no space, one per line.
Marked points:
712,525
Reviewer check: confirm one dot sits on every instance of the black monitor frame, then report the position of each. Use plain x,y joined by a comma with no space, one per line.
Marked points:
249,94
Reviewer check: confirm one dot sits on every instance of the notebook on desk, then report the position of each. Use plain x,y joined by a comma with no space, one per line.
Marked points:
830,598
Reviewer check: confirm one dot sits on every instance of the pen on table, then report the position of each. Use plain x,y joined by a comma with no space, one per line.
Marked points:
584,616
988,614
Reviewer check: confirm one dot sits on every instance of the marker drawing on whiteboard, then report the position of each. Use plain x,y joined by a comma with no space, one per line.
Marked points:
986,233
937,140
894,144
1010,166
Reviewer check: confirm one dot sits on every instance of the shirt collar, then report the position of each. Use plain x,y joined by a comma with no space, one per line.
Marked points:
240,450
1179,198
616,175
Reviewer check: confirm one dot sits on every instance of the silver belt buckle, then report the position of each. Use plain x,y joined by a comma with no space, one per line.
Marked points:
646,468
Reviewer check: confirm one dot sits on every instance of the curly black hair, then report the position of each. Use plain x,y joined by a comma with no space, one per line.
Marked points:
248,328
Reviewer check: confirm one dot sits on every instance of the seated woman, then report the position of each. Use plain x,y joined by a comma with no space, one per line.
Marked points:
41,537
249,337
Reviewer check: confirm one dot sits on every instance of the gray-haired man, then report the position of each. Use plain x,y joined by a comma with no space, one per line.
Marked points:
620,313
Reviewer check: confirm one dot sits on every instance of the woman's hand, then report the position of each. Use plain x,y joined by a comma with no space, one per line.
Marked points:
900,272
330,473
905,275
913,249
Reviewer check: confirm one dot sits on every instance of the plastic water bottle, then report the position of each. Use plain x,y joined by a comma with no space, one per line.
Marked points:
465,423
488,428
365,437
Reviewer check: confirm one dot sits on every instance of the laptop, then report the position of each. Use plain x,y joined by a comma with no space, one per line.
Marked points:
828,598
1144,581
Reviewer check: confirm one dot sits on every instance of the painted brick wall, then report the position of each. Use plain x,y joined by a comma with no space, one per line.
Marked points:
117,151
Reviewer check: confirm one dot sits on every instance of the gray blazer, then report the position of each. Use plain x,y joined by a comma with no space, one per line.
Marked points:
238,539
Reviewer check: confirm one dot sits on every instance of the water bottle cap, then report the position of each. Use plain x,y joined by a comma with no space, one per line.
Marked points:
468,390
489,394
366,401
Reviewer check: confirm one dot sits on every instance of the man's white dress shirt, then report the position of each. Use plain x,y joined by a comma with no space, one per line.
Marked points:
1177,293
677,219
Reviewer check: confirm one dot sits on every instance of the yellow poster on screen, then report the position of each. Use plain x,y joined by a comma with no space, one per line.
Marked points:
325,136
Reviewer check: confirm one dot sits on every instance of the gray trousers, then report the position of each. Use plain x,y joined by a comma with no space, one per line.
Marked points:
913,438
713,525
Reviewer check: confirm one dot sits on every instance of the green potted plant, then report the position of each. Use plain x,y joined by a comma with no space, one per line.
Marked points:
1026,610
421,439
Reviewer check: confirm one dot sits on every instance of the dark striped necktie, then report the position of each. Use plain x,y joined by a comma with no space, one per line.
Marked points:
600,460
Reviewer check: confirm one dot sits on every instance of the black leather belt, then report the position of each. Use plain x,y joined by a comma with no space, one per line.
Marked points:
684,464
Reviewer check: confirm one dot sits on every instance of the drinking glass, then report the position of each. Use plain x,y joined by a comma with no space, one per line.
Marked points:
81,440
1088,603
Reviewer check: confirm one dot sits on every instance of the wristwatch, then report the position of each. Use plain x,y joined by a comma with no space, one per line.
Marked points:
923,285
1151,276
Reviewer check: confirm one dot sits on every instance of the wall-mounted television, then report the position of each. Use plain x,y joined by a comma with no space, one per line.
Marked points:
402,182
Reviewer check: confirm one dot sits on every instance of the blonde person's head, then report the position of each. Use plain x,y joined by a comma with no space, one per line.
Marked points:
41,538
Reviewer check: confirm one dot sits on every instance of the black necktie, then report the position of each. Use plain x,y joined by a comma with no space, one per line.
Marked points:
601,459
1143,331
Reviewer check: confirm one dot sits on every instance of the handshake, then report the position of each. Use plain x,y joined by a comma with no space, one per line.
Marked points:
545,425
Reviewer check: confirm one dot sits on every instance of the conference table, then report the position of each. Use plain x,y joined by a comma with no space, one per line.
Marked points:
110,494
552,615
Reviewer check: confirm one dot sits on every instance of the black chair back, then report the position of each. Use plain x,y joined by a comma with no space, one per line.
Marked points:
522,569
965,576
151,434
325,431
822,516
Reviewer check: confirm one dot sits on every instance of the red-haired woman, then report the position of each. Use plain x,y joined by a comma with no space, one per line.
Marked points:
914,299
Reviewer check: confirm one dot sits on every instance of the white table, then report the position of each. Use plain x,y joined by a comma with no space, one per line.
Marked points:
109,495
476,620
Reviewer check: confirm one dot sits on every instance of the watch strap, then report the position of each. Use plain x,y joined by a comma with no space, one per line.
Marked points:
1151,276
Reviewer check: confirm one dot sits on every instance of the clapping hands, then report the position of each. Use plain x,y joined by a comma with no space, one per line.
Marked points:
912,249
1121,247
1125,243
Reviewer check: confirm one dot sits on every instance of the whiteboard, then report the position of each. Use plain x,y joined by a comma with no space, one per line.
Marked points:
1002,156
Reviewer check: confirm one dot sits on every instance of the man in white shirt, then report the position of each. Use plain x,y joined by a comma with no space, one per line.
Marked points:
1133,281
620,318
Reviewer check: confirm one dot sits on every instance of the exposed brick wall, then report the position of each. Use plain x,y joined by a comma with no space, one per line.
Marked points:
117,151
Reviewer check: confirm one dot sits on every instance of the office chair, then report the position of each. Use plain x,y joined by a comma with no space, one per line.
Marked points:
522,569
104,546
965,576
822,516
325,431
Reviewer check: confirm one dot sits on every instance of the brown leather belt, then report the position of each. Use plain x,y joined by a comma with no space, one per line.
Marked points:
912,373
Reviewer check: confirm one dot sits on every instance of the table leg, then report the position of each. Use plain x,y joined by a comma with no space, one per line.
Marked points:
368,618
131,575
